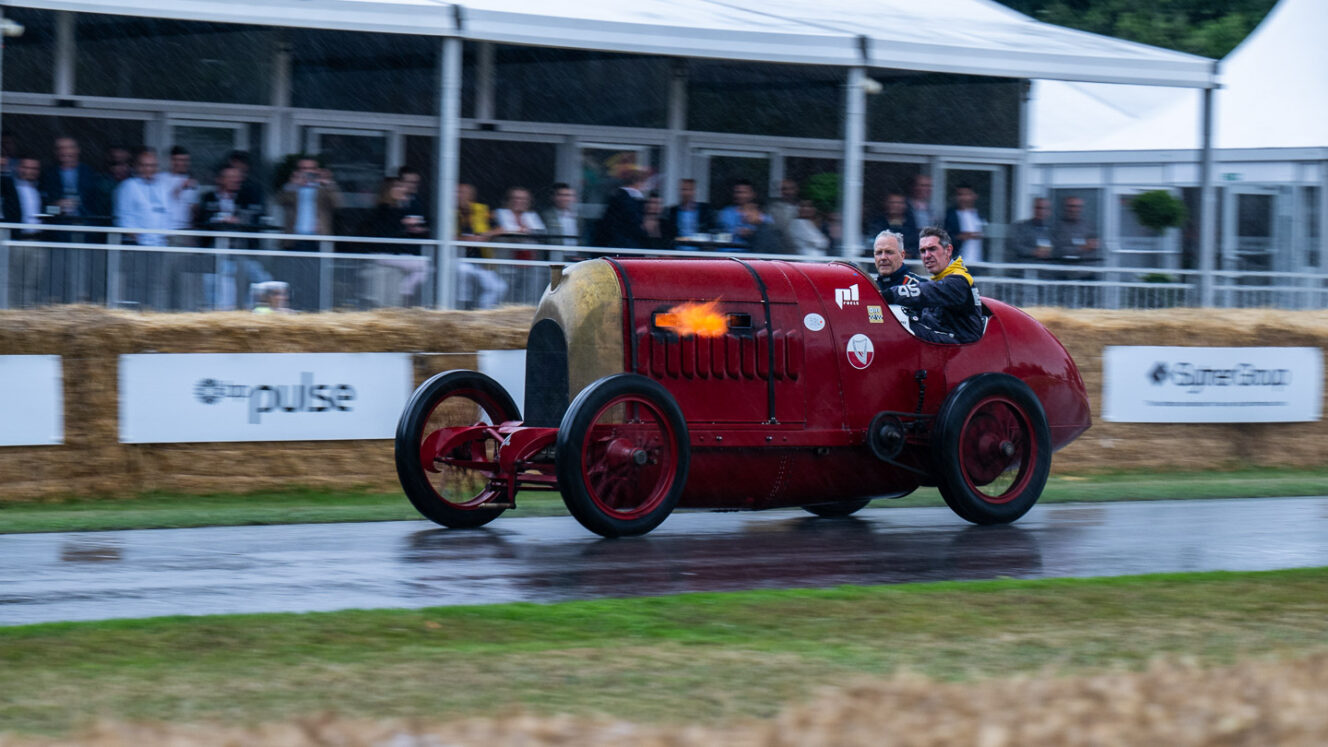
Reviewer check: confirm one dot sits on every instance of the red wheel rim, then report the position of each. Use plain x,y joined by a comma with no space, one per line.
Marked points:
461,487
629,457
997,450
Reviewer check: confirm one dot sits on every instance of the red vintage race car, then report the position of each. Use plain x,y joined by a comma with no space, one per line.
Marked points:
741,384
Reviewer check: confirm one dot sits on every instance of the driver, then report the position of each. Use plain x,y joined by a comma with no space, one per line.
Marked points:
888,251
947,308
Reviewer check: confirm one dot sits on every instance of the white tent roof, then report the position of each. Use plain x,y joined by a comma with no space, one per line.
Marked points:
1274,95
956,36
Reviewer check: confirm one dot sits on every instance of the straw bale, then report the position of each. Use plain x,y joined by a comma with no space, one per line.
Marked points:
93,462
1252,703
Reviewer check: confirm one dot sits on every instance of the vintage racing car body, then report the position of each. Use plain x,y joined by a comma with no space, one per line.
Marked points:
742,384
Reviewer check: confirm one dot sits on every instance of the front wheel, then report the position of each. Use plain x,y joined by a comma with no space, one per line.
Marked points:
622,455
993,449
444,487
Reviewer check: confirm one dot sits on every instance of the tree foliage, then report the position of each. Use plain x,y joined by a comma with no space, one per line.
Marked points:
1211,28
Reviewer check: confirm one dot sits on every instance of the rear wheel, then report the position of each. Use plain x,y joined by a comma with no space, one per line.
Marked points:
622,455
443,487
993,449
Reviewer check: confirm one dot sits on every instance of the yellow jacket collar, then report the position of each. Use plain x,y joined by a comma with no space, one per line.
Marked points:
955,268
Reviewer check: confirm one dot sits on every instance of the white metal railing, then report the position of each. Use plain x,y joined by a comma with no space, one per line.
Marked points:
89,264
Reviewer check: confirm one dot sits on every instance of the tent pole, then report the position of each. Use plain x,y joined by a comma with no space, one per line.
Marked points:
449,138
855,126
1207,204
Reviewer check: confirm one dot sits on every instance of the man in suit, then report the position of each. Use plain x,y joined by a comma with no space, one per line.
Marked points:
24,203
688,217
561,219
622,225
74,186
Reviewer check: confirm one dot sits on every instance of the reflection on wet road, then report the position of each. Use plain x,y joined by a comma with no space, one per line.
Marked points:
309,567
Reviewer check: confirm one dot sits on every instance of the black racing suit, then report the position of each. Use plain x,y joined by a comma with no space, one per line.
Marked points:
899,277
945,309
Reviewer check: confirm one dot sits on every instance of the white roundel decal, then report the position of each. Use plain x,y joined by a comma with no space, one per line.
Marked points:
860,351
814,322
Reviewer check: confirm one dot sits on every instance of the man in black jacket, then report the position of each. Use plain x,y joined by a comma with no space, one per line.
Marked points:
621,226
947,308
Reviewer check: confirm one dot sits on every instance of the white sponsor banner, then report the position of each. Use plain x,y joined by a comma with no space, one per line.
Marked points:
1211,385
507,367
31,400
201,397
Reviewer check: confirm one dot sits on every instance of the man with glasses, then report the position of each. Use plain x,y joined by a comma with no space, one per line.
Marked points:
946,308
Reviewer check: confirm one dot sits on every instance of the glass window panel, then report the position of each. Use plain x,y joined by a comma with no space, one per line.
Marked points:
944,109
30,58
761,99
879,179
364,72
725,170
534,84
358,162
154,58
495,165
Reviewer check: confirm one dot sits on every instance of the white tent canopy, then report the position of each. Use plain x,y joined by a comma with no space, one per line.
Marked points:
1274,95
953,36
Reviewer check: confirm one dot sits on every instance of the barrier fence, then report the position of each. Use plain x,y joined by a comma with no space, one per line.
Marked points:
210,270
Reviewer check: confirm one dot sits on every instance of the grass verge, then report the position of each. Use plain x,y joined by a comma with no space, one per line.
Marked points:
690,658
297,506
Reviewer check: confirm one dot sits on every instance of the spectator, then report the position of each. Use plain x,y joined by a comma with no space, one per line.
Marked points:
1073,239
271,297
515,219
391,219
688,218
219,210
183,189
807,239
965,226
621,226
833,228
764,238
561,219
896,219
143,201
119,166
250,198
1031,239
652,223
309,200
24,200
732,218
411,178
473,225
784,211
72,184
919,202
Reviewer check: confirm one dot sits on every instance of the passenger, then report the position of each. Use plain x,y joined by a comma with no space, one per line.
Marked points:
947,308
889,254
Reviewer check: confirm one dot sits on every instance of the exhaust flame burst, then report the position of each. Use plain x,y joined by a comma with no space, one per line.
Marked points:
700,319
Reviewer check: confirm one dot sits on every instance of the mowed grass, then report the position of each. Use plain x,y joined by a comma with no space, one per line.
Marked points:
294,506
683,659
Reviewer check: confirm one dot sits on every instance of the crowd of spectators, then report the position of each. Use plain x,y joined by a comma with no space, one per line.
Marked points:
133,191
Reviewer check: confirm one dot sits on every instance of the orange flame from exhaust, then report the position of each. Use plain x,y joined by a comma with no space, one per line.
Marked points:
700,319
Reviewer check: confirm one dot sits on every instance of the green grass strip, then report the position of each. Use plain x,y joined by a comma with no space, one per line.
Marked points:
683,658
296,506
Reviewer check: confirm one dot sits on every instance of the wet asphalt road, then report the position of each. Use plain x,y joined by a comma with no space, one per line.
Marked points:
311,567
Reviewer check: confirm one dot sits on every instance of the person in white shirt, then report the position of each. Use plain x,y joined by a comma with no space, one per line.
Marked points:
516,217
965,226
144,201
183,189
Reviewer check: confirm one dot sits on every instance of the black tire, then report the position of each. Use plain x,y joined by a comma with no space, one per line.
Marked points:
622,455
835,510
452,496
992,449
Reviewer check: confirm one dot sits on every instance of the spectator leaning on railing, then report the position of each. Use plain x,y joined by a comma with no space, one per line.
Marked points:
144,201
